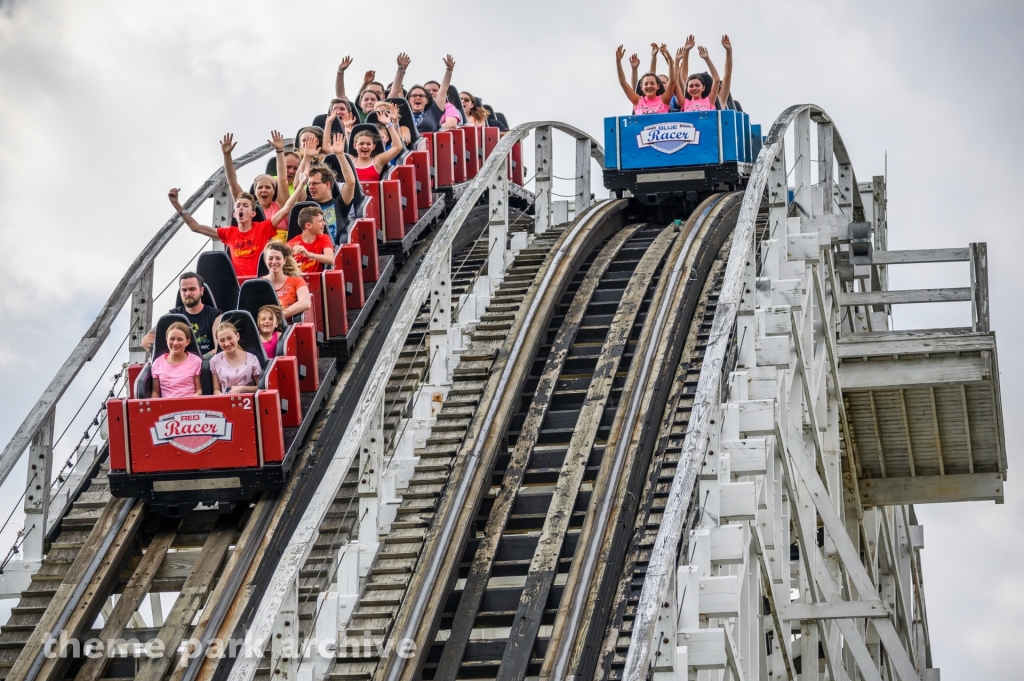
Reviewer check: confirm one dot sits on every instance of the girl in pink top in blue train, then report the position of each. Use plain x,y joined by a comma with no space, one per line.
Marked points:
691,92
655,97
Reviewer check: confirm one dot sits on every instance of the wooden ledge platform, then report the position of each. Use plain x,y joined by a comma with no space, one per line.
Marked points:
926,414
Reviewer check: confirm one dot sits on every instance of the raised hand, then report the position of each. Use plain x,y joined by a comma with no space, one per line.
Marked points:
277,141
345,63
348,120
369,77
300,180
654,49
634,61
172,196
680,53
449,62
227,145
620,52
338,143
726,43
703,52
403,60
309,149
393,112
664,50
690,42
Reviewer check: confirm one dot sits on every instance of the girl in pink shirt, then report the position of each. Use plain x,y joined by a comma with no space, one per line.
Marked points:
176,374
234,370
270,321
655,98
691,93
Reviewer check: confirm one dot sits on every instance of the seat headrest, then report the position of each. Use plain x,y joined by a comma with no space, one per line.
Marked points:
254,294
160,341
502,120
219,276
208,297
248,333
260,216
455,100
294,229
368,127
405,119
337,127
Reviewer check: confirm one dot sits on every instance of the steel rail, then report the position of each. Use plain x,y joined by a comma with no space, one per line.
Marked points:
665,319
300,543
95,335
663,557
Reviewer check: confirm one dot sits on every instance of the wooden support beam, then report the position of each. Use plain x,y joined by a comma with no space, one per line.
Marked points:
932,489
914,342
967,429
906,430
836,610
920,256
131,598
193,595
878,433
924,295
850,557
916,373
935,426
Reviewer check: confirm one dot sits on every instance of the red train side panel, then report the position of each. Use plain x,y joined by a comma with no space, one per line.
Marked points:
420,161
334,304
190,433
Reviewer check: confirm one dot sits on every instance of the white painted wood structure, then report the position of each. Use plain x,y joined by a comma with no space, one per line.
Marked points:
814,427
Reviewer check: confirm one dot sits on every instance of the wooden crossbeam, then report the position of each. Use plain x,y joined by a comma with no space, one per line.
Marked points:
932,489
920,256
924,295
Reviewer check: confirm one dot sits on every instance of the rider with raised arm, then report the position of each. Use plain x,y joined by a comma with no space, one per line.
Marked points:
692,94
368,165
247,239
655,97
269,193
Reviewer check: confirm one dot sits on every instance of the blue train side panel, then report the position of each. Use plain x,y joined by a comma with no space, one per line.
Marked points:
678,139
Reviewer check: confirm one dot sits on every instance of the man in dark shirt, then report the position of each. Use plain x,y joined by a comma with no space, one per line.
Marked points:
203,318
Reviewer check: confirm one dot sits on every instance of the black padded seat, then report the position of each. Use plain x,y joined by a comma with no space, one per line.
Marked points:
337,127
254,294
144,383
368,127
502,120
260,216
207,298
405,118
219,275
248,333
294,229
455,100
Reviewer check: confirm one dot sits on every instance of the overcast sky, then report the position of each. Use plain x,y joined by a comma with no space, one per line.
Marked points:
104,105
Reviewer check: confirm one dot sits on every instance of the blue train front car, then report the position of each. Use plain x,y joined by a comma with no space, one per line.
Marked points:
679,157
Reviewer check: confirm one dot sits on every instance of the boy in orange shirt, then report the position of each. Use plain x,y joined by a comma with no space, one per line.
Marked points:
312,249
247,240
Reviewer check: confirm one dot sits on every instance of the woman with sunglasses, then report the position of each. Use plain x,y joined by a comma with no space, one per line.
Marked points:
476,114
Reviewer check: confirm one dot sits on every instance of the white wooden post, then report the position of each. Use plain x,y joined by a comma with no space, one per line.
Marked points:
582,199
440,323
371,461
141,318
542,160
284,641
223,207
37,490
497,227
802,163
826,177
